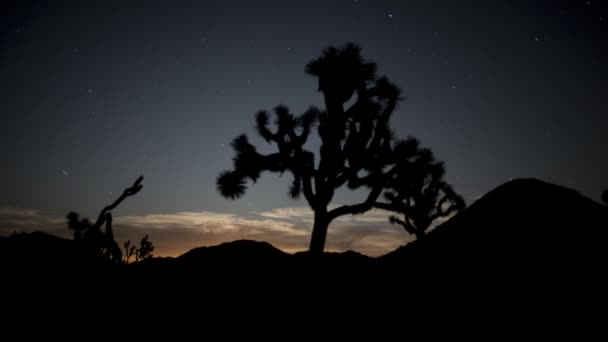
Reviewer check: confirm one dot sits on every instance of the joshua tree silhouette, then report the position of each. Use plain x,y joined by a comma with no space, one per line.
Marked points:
77,225
145,249
358,148
142,253
130,250
421,195
93,236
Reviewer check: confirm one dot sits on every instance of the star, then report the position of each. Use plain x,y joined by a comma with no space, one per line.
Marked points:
90,91
65,173
390,15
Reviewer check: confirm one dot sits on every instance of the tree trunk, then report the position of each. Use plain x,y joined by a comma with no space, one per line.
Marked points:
319,232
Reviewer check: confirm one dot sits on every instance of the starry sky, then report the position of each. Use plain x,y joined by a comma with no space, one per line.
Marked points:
95,93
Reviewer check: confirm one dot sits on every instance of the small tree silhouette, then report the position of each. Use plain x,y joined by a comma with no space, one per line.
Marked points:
358,148
77,225
145,250
129,251
421,196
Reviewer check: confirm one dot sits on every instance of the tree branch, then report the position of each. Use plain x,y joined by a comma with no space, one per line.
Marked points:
452,207
134,189
370,201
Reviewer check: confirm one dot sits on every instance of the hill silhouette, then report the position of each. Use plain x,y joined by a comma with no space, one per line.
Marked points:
525,239
247,251
38,251
242,260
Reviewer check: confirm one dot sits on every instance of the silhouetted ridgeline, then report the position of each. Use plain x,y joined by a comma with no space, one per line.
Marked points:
42,252
526,235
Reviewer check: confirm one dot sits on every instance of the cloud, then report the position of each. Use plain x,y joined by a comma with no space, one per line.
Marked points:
175,233
209,222
373,216
28,220
18,212
305,214
302,214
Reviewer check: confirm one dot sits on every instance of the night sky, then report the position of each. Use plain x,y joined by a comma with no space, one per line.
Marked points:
93,94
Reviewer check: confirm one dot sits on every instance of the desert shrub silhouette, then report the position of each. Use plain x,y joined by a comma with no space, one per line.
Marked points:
358,148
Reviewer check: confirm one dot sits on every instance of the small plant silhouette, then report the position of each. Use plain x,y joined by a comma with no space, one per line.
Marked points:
358,148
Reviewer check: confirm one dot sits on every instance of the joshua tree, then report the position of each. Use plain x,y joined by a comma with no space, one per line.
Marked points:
129,251
142,253
77,225
91,234
421,196
357,150
145,249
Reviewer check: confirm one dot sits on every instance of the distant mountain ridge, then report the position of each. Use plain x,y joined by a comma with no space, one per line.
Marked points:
239,249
